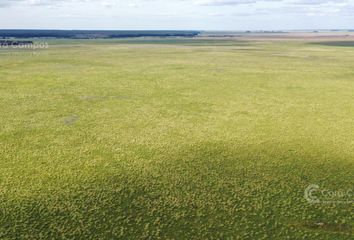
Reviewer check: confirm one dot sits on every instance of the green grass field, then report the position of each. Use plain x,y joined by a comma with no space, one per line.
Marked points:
176,139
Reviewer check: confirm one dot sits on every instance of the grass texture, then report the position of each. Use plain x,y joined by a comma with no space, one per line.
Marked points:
175,139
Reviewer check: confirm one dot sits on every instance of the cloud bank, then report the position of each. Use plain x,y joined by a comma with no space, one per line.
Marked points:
177,14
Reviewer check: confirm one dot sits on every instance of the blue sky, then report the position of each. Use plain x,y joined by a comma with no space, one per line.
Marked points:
177,14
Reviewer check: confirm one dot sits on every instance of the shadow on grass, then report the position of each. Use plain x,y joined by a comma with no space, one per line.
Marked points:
336,43
207,191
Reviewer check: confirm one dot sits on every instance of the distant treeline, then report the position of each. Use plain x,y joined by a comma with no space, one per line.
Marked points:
82,34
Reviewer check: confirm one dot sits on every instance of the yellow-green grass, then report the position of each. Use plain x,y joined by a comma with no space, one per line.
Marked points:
175,139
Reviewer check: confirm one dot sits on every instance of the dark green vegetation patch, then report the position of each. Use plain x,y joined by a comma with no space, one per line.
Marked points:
89,34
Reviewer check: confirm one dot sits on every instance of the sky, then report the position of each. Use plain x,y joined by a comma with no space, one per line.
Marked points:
177,14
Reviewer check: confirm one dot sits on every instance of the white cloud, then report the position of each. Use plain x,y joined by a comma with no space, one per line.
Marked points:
223,2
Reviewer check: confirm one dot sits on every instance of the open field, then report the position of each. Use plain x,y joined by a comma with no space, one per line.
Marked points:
176,139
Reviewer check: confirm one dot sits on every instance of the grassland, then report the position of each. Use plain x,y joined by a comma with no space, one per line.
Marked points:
175,139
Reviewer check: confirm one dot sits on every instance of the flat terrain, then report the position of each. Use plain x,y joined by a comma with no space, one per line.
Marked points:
176,139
